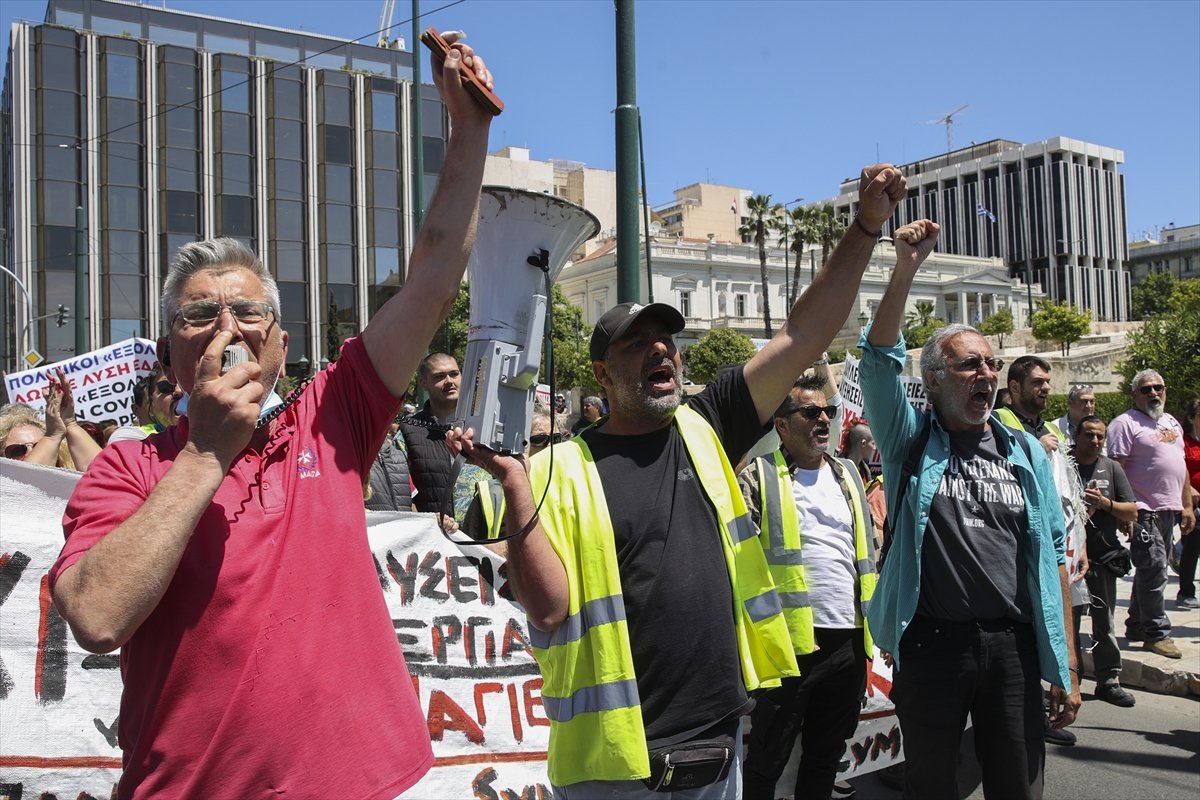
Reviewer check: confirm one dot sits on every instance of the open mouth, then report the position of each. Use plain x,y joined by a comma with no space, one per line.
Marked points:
661,377
981,397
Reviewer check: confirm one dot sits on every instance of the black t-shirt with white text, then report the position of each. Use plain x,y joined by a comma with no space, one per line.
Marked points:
678,600
973,551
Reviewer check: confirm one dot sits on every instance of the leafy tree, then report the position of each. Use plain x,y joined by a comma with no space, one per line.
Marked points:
762,212
719,347
829,227
998,324
570,338
797,229
1170,344
920,323
1152,296
1060,322
451,336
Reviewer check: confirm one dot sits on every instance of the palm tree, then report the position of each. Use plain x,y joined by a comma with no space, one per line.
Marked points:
830,228
921,315
762,212
801,231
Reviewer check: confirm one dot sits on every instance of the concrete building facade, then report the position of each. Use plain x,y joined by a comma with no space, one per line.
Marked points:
1176,250
1054,211
167,127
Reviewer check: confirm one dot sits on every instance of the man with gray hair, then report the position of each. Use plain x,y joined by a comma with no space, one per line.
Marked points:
1081,402
1148,443
970,602
590,410
227,556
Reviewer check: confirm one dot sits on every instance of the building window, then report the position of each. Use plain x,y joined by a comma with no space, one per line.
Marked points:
685,303
739,304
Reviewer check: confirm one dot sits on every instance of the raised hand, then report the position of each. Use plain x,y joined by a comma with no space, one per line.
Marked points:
914,242
447,77
880,189
223,409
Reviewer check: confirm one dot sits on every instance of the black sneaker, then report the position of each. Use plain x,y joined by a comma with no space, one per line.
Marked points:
1059,736
1114,693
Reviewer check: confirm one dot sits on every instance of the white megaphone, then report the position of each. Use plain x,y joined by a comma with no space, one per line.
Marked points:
523,241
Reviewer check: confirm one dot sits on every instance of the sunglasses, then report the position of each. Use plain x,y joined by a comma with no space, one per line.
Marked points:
17,451
973,364
813,412
165,387
543,439
1153,388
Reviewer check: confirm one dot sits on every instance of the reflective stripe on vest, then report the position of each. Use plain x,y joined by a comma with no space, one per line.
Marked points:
589,685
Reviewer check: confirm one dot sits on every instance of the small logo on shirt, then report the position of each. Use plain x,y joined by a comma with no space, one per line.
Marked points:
685,474
306,463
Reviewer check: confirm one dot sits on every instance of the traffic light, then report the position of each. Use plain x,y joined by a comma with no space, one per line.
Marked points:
62,315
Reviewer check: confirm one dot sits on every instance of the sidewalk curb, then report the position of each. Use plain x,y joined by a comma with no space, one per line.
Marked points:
1138,674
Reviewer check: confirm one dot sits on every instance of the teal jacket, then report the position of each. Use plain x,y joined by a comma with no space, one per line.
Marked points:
895,425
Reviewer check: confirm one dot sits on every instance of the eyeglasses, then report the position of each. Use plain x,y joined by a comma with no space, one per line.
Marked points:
973,364
1152,388
205,312
543,439
17,451
813,412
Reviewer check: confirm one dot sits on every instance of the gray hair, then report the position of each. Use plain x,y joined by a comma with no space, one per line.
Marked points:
593,401
560,420
932,356
1077,390
1143,376
219,255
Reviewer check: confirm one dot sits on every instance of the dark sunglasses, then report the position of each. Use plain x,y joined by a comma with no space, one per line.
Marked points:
543,439
17,451
1152,388
165,387
813,412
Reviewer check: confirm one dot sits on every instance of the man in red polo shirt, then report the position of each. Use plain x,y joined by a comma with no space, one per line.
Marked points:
223,555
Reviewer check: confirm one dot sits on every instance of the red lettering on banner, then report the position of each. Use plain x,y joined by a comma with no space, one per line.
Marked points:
514,712
50,669
487,687
445,714
532,701
877,683
514,636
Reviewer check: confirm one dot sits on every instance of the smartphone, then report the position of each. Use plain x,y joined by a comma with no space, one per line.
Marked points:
477,89
233,356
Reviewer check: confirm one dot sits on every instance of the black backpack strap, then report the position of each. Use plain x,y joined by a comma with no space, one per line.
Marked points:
911,462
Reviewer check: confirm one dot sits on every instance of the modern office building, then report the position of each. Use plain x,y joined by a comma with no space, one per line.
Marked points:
168,127
1053,210
1174,250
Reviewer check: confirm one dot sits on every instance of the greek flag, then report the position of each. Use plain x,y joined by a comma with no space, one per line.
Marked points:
980,211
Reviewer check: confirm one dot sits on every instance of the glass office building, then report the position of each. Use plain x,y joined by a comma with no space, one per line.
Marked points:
166,127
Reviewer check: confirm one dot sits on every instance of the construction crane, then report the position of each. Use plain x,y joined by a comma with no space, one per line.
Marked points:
948,121
385,22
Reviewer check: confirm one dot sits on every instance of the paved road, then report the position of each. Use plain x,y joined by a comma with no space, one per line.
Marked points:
1148,752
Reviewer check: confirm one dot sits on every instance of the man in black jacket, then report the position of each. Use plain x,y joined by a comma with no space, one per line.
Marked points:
428,457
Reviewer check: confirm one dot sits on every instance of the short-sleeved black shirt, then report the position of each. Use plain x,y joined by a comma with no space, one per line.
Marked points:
1102,526
674,581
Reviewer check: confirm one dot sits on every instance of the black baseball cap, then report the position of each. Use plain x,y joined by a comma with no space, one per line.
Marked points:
616,321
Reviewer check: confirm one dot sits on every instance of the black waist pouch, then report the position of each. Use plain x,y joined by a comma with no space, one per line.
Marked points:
689,765
1116,561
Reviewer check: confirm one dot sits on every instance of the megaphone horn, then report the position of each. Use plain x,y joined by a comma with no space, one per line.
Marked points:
522,242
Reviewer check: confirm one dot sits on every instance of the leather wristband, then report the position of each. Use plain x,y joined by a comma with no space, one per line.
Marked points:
864,229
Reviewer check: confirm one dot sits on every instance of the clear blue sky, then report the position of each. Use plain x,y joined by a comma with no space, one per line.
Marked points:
789,98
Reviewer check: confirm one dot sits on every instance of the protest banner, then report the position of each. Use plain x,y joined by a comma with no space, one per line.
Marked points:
852,401
101,380
465,640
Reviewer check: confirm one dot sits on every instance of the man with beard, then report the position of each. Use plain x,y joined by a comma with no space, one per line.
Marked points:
652,611
969,604
1081,402
1148,443
811,511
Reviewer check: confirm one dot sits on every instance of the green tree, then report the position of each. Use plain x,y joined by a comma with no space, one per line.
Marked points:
998,324
920,323
1152,296
798,228
1060,322
451,336
830,228
1170,344
569,337
719,347
762,212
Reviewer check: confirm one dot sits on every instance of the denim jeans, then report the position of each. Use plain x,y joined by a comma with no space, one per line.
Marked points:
728,789
988,669
821,707
1148,549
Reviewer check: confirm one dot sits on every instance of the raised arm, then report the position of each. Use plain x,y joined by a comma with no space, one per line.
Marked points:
400,331
60,414
821,311
914,242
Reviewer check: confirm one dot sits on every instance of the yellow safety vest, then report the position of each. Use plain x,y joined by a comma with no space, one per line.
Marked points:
491,503
1011,420
589,688
782,541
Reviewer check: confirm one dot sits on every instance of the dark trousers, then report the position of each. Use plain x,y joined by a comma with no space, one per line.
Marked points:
988,669
820,707
1187,564
1106,654
1148,550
